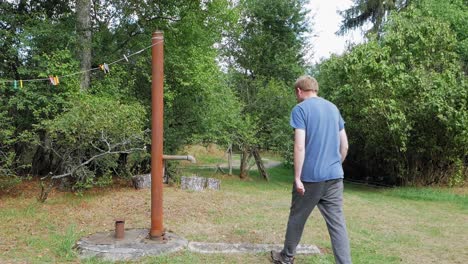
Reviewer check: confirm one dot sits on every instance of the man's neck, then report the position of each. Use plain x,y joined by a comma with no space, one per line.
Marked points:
310,94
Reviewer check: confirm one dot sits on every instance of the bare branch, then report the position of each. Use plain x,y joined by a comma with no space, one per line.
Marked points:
95,157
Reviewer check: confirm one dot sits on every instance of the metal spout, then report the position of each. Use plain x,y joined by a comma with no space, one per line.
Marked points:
179,157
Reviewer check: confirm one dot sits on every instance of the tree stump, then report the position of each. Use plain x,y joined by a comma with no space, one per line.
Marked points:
141,181
213,184
195,183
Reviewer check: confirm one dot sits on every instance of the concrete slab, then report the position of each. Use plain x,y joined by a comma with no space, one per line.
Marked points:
134,245
210,248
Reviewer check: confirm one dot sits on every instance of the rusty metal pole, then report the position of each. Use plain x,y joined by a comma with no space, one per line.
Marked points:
157,111
119,228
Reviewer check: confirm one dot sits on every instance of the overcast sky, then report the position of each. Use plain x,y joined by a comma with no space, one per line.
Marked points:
326,22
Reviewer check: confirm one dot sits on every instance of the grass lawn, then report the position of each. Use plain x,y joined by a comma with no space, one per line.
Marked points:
401,225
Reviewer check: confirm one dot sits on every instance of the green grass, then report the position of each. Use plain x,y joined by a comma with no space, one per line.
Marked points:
398,225
429,194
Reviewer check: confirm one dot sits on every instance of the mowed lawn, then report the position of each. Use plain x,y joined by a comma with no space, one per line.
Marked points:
400,225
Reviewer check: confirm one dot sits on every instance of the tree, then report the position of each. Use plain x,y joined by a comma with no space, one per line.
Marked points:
404,99
83,30
265,57
86,139
454,13
40,39
374,11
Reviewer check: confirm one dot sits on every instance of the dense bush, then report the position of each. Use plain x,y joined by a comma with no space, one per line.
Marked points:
405,102
91,140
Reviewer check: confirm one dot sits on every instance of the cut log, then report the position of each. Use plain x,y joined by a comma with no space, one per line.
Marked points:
213,184
141,181
195,183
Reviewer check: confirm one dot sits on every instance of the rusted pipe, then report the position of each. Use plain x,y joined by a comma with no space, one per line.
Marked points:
119,228
180,157
157,113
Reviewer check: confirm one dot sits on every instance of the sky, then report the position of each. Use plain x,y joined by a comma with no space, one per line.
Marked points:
326,21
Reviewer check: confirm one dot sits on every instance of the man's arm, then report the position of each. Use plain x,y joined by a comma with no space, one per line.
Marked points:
299,155
343,145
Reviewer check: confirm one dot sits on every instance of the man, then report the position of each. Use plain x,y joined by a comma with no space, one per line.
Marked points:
320,147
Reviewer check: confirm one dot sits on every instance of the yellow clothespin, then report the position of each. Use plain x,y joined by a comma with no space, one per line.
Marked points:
104,67
56,79
21,83
53,80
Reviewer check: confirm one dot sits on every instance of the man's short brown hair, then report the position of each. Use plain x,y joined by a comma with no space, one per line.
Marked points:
307,83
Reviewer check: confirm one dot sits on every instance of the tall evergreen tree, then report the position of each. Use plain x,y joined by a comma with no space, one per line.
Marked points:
369,11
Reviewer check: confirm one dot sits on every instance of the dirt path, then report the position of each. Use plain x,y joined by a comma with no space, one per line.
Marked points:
236,163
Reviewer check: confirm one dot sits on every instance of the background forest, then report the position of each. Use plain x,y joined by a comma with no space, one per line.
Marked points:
229,71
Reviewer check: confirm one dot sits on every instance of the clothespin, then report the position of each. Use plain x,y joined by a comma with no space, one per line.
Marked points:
21,83
15,85
125,57
53,80
104,67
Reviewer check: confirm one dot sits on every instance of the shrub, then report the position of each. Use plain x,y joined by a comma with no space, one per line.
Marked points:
89,138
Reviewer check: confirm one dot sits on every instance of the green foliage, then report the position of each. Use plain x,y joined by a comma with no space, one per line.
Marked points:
95,129
38,39
272,39
266,56
276,99
405,101
454,13
22,109
7,155
373,11
8,180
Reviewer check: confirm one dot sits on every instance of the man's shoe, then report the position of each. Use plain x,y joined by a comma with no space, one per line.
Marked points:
279,258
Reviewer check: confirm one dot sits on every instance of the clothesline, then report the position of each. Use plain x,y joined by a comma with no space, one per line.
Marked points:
55,79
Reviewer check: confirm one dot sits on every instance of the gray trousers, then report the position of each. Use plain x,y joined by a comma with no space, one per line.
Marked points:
328,196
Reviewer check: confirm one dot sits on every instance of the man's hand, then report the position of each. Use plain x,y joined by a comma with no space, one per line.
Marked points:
300,187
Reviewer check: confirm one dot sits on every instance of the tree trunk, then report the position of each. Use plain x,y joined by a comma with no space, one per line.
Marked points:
42,160
245,157
83,28
122,164
230,159
260,166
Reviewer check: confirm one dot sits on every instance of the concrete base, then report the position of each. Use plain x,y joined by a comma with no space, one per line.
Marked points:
136,244
210,248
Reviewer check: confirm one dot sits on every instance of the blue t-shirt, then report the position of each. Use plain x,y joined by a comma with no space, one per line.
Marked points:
322,123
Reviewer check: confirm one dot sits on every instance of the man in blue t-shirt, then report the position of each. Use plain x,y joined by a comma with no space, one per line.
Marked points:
320,147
